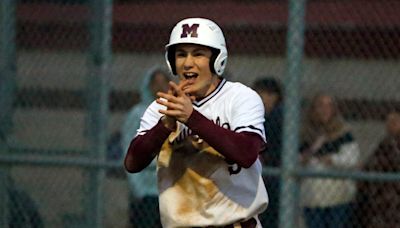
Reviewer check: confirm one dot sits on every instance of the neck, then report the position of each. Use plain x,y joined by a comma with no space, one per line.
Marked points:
213,85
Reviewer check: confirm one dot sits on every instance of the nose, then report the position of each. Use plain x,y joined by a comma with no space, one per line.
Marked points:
189,61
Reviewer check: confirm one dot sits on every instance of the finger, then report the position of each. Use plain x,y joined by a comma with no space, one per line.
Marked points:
177,89
188,90
192,98
169,97
170,91
169,105
170,113
184,83
184,86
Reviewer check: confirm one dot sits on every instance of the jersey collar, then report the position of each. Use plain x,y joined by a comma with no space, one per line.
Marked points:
211,95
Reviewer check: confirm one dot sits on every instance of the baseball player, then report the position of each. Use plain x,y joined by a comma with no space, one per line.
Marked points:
206,133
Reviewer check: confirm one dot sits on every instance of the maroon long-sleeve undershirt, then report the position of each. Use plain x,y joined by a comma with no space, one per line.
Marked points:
143,148
241,148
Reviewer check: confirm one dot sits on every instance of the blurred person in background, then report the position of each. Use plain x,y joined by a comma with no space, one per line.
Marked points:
378,203
270,92
144,211
327,143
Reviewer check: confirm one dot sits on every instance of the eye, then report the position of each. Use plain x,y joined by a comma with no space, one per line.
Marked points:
199,53
180,54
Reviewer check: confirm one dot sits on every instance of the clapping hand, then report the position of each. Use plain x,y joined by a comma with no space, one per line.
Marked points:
178,103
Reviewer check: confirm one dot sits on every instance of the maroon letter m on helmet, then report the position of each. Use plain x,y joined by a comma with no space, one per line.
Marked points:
192,30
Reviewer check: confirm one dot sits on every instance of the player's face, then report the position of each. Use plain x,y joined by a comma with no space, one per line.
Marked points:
193,67
393,124
159,83
324,109
269,99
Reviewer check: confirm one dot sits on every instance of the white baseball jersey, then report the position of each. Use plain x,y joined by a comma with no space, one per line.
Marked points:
197,186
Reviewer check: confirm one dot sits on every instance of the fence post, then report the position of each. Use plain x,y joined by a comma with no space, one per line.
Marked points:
7,95
98,104
295,42
7,65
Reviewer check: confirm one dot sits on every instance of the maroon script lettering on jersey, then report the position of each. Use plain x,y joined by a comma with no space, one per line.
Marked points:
192,30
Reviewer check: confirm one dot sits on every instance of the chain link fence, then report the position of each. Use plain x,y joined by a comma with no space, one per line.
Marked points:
71,69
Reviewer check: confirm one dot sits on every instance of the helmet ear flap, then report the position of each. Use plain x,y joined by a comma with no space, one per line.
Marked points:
214,55
170,58
220,63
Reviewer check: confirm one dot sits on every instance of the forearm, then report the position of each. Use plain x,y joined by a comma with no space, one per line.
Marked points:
144,148
241,148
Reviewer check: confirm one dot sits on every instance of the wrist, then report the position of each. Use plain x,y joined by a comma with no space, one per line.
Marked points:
169,123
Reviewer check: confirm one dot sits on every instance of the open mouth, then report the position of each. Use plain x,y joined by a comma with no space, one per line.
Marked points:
190,75
190,79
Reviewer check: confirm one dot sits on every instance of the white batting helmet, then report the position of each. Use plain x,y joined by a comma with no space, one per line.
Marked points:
198,31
